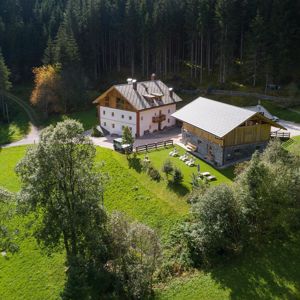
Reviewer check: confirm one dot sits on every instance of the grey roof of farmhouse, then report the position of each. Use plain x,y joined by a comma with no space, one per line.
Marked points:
215,117
141,97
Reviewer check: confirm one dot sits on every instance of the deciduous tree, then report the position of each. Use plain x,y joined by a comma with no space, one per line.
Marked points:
61,186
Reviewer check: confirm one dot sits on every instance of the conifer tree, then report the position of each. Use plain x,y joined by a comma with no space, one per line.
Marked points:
5,83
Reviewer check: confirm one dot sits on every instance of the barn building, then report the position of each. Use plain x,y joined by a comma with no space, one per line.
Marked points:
144,107
223,134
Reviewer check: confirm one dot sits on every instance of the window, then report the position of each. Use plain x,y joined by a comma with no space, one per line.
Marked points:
199,142
112,114
237,151
149,127
168,120
168,111
130,117
142,118
123,126
257,147
104,112
104,124
113,125
130,128
122,116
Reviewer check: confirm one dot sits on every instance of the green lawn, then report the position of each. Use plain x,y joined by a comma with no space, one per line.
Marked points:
17,129
271,273
293,145
31,274
88,118
159,157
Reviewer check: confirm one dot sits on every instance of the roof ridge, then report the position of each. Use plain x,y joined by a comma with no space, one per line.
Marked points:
122,84
226,104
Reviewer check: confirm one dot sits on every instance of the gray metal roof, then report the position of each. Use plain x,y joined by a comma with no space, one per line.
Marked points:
260,109
212,116
141,98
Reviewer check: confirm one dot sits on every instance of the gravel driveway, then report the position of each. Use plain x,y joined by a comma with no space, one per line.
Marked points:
293,128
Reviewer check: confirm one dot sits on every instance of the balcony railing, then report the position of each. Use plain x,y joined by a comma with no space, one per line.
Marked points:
159,119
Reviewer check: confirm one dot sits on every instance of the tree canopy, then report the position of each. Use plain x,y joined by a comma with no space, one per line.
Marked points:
220,39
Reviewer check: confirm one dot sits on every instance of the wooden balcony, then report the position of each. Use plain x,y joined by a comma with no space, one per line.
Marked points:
159,119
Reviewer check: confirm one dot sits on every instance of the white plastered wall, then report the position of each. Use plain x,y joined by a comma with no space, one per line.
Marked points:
113,120
146,118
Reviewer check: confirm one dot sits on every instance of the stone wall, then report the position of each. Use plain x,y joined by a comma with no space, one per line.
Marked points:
239,152
205,149
214,153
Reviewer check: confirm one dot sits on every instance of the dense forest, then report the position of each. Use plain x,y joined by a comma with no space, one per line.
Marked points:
209,40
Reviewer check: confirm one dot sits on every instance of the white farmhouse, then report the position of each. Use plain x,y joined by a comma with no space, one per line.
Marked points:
144,107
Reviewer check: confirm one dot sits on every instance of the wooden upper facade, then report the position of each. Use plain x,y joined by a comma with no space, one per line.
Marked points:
253,131
113,99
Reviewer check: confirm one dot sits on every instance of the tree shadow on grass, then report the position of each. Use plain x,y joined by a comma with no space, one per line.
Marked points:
263,275
179,189
15,130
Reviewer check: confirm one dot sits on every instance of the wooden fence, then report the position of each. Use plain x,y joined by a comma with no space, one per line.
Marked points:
153,146
280,135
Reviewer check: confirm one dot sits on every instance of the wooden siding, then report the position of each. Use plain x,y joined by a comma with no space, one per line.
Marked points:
238,136
202,134
110,100
248,135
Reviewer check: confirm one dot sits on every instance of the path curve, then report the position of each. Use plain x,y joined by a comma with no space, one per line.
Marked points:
34,119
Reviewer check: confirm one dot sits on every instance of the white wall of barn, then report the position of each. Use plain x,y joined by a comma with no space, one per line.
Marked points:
113,120
146,123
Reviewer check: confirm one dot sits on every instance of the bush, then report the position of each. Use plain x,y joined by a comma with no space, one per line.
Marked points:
96,132
215,229
153,173
136,254
167,168
177,176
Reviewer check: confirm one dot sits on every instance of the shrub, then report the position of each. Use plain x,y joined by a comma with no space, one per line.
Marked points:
136,253
215,228
177,176
268,191
145,165
153,173
167,168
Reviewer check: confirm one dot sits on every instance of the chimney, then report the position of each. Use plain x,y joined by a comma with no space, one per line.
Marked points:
153,76
134,84
129,80
171,92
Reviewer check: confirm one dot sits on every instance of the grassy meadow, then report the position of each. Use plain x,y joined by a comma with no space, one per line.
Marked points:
32,274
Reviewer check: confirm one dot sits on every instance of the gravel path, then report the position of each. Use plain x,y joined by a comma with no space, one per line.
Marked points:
31,138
